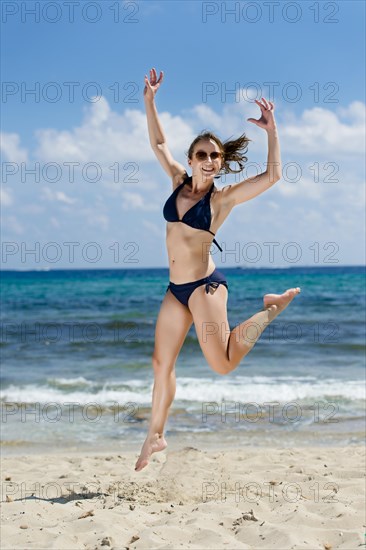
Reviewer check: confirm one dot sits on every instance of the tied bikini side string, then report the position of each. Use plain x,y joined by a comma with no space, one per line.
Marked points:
213,284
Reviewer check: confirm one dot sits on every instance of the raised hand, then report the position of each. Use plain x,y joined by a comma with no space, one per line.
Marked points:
152,86
267,120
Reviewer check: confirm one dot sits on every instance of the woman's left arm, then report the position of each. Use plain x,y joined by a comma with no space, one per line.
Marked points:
251,187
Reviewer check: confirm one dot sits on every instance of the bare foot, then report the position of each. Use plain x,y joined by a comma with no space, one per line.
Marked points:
152,444
281,301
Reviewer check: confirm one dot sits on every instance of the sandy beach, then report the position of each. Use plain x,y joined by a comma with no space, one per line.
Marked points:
194,497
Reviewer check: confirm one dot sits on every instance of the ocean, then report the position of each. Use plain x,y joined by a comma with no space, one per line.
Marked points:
76,371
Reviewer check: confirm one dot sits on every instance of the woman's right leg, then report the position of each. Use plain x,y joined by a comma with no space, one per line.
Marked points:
172,325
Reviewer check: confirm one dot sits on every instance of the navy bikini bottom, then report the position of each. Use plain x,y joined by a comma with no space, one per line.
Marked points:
183,292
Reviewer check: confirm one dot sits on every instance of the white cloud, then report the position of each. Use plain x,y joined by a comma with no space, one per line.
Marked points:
13,225
107,137
206,116
153,228
321,132
144,8
304,187
273,205
6,198
317,131
354,112
100,220
10,148
135,201
57,196
94,218
32,208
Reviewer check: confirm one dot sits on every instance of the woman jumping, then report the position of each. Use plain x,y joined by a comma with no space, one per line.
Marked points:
197,291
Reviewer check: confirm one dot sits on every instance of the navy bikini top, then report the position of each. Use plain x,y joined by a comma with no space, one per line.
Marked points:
198,216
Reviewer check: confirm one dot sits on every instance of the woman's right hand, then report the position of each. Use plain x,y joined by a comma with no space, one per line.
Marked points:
152,86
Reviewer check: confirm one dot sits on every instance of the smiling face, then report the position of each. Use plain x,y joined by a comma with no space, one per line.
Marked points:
206,160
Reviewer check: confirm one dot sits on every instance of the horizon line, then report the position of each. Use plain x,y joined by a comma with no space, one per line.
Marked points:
47,269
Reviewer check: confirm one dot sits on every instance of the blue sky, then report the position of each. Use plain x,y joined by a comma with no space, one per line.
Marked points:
307,57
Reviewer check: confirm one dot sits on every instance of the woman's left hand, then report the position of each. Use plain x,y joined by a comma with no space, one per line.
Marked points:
267,120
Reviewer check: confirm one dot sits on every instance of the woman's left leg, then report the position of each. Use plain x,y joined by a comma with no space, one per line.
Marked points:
224,348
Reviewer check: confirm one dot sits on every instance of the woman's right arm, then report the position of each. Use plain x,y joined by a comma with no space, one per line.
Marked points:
156,134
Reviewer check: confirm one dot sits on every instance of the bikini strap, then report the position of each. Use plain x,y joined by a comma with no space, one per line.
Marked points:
215,241
217,244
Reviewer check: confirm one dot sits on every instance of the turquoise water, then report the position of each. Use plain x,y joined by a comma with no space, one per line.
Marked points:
86,337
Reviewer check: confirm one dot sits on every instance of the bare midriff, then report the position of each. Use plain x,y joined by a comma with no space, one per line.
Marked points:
188,253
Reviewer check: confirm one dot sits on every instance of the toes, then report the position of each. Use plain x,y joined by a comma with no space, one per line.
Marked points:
296,290
140,464
139,467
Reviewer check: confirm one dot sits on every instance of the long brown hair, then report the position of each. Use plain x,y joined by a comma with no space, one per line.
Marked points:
232,151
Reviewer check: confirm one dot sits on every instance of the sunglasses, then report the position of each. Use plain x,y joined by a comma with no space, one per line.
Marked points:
202,155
